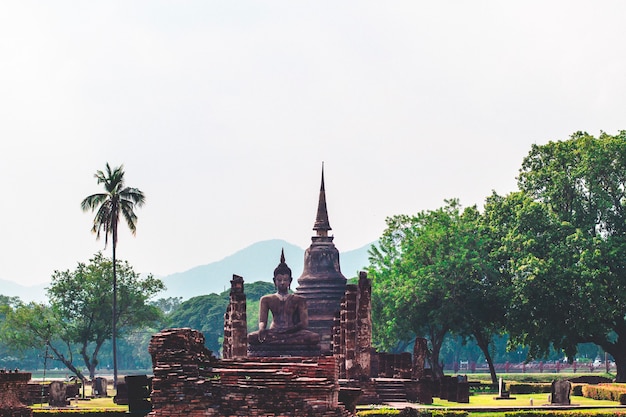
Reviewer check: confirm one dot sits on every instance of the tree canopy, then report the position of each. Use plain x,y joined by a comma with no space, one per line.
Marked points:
566,246
545,263
78,321
433,267
206,312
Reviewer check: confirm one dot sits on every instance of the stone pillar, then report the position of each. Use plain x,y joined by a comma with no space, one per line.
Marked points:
58,394
420,352
343,314
336,346
350,324
339,344
560,392
235,322
364,326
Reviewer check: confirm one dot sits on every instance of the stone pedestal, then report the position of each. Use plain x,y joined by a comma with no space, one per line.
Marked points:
277,350
12,384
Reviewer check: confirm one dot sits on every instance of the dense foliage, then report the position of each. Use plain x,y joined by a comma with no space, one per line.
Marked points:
206,312
545,264
78,320
435,268
567,246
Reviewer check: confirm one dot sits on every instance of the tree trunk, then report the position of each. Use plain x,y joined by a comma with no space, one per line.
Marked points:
620,361
114,324
483,344
617,349
91,362
436,340
68,363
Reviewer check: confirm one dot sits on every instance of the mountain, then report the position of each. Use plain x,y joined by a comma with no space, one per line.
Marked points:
254,263
31,293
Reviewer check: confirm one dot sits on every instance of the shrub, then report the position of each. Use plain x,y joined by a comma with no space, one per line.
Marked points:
383,412
563,414
79,413
527,388
611,392
410,412
577,389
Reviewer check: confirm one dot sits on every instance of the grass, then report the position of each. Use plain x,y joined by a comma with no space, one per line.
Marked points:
92,403
488,401
478,400
535,377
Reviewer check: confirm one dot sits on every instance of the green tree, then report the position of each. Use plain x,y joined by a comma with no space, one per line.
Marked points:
117,201
77,322
205,313
566,243
433,267
35,326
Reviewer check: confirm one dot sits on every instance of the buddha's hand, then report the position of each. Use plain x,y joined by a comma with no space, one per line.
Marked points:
262,335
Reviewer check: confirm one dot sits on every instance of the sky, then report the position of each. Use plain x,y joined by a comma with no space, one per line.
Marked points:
222,113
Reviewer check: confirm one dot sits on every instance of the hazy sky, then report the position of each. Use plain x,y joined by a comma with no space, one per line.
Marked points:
222,113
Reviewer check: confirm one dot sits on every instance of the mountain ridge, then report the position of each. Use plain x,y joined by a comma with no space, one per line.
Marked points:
255,262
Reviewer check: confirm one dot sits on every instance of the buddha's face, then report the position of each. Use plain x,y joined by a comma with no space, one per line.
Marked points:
282,282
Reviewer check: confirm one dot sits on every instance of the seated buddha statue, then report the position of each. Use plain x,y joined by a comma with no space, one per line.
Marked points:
288,334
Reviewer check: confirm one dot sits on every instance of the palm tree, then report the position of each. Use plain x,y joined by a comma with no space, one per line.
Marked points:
117,201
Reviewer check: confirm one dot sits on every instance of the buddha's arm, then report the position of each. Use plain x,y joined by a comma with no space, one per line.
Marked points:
263,312
303,314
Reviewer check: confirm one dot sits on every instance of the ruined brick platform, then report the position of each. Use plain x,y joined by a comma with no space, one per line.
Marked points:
13,385
189,381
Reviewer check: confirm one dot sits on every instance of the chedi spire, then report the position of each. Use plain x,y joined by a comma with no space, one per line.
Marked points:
322,225
321,282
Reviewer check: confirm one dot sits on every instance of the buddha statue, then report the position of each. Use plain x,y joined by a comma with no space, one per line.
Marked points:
287,334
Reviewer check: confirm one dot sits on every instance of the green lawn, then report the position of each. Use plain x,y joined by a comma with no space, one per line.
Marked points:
487,400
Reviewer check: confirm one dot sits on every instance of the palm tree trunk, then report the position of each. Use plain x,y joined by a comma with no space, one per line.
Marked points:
114,327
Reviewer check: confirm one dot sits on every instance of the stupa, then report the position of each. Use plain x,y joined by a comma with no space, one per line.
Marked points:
322,283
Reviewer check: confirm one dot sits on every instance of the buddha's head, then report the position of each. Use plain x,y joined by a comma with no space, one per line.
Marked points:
282,274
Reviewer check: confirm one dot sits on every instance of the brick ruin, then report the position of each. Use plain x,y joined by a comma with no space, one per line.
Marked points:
189,380
235,322
13,386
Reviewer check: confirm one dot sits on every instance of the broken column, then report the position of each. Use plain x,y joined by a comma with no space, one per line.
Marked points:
348,323
364,326
235,322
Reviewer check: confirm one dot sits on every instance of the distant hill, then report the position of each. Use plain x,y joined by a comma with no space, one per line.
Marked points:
254,263
31,293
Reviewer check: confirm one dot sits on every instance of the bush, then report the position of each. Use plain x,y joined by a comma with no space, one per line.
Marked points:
527,388
410,412
563,414
79,413
611,392
383,412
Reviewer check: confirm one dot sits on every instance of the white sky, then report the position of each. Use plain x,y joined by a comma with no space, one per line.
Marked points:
222,113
